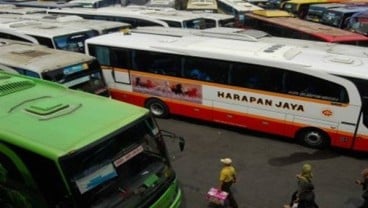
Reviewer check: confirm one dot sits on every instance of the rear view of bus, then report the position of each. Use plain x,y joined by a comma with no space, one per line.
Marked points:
74,70
73,149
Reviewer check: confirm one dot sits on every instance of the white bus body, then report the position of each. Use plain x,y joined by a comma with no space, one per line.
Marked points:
298,92
101,26
12,9
52,35
139,16
254,35
11,34
131,18
237,8
74,70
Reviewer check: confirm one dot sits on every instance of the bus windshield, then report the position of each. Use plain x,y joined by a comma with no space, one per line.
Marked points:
359,23
84,76
291,7
128,168
73,42
332,18
199,23
315,13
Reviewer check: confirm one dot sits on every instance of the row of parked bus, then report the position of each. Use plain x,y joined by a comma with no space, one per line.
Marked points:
151,67
61,146
344,14
275,22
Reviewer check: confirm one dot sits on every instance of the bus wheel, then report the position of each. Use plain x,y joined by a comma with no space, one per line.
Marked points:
157,108
314,138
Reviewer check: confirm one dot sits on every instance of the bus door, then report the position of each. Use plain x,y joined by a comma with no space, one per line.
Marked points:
17,187
361,133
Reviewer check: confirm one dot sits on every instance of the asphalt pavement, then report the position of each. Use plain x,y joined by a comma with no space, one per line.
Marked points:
266,166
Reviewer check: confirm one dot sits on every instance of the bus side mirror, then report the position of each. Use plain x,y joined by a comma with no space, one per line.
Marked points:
171,135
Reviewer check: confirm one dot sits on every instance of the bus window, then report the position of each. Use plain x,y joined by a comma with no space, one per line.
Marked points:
256,77
44,41
315,88
73,42
157,63
173,23
27,72
197,68
141,162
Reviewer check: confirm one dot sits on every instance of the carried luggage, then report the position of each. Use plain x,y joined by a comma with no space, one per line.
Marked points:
216,196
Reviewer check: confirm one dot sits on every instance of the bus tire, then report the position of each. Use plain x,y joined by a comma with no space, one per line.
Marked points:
313,138
157,107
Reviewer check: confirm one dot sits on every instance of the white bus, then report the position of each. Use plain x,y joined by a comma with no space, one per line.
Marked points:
74,70
101,26
134,19
11,34
52,35
217,19
139,16
237,8
11,8
314,94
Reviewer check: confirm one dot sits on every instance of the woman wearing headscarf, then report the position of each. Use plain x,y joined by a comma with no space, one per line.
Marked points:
304,196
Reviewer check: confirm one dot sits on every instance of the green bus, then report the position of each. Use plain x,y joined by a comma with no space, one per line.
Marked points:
67,148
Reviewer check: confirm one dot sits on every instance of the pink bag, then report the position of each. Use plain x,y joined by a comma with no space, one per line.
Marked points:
216,196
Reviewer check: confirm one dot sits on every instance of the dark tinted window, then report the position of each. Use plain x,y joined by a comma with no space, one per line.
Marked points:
206,69
158,63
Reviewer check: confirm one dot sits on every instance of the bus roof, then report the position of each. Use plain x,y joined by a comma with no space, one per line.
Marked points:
272,13
156,12
52,120
74,20
46,4
38,28
10,8
257,52
246,34
161,3
326,6
241,5
106,12
202,5
38,58
323,32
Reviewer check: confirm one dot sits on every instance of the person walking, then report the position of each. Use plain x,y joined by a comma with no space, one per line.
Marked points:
227,179
304,196
364,184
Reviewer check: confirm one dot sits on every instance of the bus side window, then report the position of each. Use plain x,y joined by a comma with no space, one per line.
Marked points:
166,64
45,41
120,58
206,69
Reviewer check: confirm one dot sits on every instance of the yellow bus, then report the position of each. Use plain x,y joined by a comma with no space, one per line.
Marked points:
300,8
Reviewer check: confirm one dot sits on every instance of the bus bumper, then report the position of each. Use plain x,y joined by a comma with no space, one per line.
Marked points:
171,198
